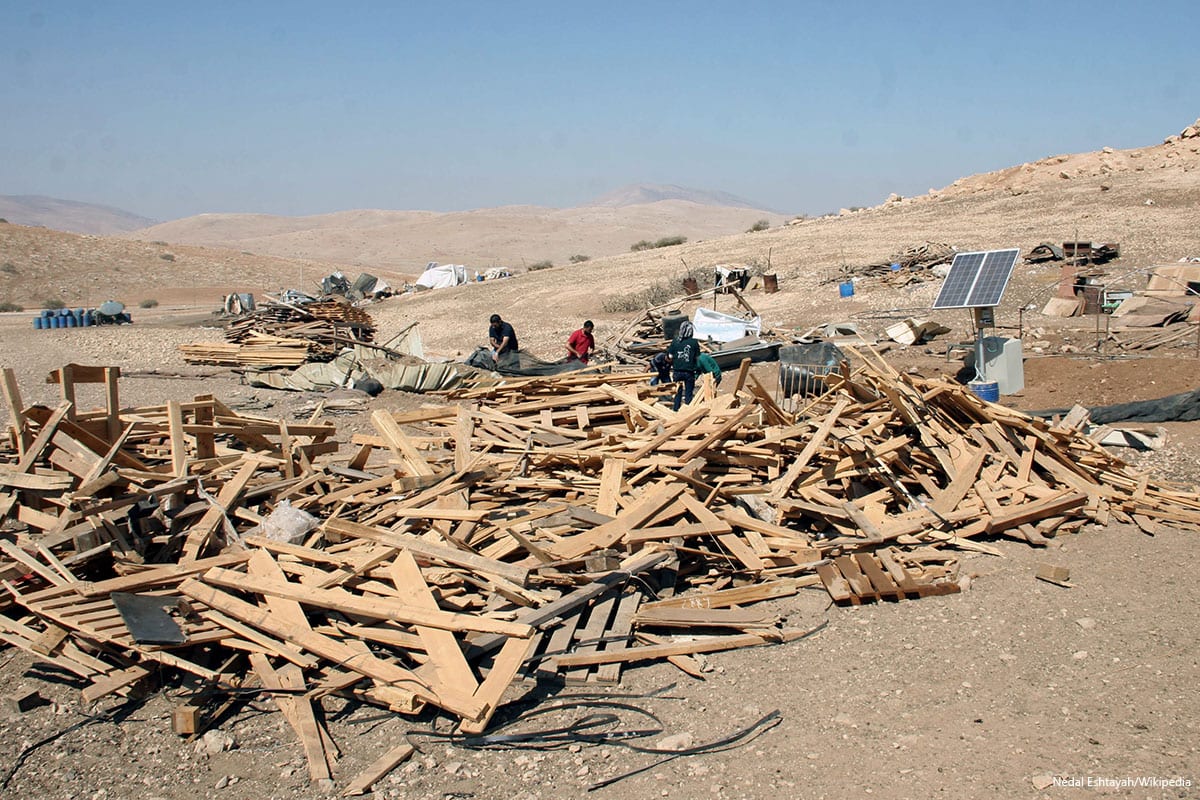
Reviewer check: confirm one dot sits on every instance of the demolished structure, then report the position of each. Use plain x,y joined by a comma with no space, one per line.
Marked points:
553,528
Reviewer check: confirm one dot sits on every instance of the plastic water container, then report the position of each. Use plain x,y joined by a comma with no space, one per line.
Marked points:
895,267
671,324
47,313
985,390
846,289
78,315
89,318
38,323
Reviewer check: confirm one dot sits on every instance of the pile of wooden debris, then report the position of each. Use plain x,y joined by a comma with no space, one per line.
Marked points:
555,527
913,264
286,335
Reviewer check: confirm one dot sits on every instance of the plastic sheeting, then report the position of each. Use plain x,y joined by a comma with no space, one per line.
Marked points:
347,368
521,364
720,327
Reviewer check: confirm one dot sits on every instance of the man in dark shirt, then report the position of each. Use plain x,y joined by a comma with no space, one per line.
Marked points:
504,342
685,353
661,363
581,343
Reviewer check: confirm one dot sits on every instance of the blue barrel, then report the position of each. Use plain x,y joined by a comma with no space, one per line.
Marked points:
985,390
47,313
89,318
78,315
846,288
895,267
37,323
55,321
70,321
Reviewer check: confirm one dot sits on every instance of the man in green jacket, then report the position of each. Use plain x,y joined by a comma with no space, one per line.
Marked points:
707,365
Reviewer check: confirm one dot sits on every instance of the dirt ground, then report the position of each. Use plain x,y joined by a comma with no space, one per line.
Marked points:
989,693
982,694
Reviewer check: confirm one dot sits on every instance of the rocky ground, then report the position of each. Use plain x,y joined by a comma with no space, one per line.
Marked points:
982,694
993,692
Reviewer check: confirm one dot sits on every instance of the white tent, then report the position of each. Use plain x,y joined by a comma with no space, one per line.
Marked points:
441,276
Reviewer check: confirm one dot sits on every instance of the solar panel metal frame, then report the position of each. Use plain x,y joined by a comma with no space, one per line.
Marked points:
977,279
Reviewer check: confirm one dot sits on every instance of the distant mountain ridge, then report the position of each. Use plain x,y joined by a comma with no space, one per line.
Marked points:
636,194
69,215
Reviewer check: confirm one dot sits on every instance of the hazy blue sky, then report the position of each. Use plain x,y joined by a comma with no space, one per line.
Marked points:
169,109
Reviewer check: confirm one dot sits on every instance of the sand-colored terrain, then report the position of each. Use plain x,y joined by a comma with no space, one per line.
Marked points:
985,694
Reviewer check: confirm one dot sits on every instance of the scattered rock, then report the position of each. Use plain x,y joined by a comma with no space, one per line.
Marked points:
678,741
1042,781
215,741
1087,623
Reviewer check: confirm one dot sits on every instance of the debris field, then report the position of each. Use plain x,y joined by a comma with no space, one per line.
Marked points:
551,529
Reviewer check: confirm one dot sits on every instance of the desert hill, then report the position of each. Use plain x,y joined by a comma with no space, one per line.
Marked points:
38,264
511,236
1146,199
643,193
69,215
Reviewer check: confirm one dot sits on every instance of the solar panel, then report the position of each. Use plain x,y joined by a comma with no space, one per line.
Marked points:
977,279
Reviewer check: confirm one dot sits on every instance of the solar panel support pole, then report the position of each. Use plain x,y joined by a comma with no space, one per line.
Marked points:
984,318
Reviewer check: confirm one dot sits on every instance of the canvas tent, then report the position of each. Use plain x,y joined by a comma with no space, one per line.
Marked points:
441,276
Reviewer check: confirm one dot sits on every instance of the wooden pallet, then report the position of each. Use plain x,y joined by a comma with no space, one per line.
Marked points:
864,577
605,623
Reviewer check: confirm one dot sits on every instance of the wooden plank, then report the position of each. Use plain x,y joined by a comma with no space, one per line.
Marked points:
837,586
618,633
114,682
859,583
589,636
722,431
12,398
610,533
156,576
378,769
297,710
324,646
710,644
179,454
49,428
443,648
611,476
200,533
399,443
742,595
429,550
879,578
537,617
505,667
960,484
797,467
371,608
670,432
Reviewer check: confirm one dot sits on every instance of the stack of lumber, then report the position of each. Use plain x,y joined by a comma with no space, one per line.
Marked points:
257,350
552,528
286,335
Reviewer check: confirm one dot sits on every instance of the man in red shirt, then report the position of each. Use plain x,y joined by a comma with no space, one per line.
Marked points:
581,343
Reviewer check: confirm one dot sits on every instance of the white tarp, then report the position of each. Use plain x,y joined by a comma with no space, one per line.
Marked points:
724,327
441,276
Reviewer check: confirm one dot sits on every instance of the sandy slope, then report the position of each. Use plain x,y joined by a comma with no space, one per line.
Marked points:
511,236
